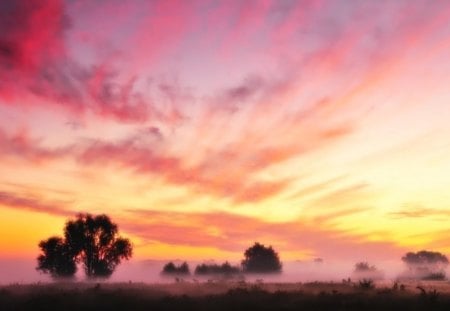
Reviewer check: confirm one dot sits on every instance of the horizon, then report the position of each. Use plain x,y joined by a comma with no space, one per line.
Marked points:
199,127
150,271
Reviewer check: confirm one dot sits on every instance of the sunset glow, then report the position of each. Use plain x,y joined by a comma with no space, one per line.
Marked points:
319,127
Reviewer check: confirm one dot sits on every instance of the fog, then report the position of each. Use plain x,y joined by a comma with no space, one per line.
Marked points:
148,271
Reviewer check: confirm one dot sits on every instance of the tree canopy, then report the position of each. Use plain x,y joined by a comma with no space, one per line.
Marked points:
90,240
364,271
425,257
426,264
171,268
56,258
364,267
223,269
261,259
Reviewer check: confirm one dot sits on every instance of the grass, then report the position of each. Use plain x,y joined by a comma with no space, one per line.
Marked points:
221,296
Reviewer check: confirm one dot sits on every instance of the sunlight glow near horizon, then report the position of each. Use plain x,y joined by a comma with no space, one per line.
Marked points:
319,127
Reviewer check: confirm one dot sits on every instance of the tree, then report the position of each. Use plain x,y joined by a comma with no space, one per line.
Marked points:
426,264
364,267
56,258
261,259
223,269
91,240
363,270
171,268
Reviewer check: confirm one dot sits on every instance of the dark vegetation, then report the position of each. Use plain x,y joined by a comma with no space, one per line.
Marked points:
223,269
426,265
93,242
364,267
261,259
172,269
313,296
366,284
364,271
89,240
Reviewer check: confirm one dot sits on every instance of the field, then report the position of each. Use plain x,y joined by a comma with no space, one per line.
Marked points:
221,295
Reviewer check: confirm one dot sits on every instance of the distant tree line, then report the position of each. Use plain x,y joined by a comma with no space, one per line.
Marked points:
257,259
172,269
422,265
93,242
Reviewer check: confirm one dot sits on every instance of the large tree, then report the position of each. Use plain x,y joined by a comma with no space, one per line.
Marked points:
261,259
91,240
56,258
426,264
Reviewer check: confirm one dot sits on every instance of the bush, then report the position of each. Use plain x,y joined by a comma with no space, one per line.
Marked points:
366,284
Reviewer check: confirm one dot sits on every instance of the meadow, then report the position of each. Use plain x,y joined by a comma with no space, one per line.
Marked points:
226,295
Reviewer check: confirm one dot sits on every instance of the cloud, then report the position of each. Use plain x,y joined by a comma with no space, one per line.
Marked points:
21,145
237,184
418,211
345,195
36,65
34,204
235,233
31,34
41,50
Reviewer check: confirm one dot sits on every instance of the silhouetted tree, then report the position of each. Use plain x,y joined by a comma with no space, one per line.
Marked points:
56,258
95,240
364,267
364,271
224,269
426,264
261,259
171,268
91,240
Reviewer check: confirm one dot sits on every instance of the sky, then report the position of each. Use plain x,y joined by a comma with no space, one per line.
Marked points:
318,127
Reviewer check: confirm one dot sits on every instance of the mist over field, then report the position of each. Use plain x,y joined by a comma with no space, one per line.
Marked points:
149,271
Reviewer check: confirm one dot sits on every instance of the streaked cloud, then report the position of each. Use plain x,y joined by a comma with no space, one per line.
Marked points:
34,204
307,124
229,232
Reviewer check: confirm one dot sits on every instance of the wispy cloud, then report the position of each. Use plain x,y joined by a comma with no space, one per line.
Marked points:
417,211
36,64
21,145
234,233
34,204
310,109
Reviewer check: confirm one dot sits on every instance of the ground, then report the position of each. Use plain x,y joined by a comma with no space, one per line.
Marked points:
226,295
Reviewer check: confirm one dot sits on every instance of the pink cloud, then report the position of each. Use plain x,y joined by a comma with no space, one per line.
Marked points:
235,184
36,60
31,34
36,65
34,204
235,233
21,145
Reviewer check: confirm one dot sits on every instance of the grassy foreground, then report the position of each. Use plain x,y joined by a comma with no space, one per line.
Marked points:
222,296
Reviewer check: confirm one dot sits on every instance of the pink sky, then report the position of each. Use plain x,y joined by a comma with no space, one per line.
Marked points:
319,127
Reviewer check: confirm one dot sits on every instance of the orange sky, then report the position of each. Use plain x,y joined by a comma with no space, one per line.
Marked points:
319,127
